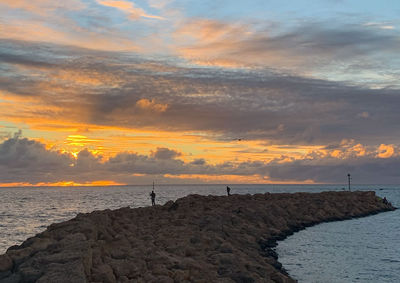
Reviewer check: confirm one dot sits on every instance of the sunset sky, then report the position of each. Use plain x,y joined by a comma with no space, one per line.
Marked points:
103,92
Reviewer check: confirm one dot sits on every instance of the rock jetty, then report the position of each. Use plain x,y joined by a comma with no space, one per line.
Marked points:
194,239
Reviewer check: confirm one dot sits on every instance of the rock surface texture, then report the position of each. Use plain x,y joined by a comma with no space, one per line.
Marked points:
194,239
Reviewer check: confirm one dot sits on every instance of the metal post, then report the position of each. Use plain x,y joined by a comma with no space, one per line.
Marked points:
349,177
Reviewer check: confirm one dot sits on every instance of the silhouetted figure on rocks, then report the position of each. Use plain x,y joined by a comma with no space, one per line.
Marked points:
385,201
228,190
153,198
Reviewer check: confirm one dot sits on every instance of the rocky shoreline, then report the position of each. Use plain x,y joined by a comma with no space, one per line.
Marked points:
194,239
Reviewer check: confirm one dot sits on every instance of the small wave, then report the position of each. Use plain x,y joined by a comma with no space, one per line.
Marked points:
390,260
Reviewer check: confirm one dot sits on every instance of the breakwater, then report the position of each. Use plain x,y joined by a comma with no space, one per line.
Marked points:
196,238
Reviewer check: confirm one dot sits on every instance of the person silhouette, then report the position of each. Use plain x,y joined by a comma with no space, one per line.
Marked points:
228,190
153,198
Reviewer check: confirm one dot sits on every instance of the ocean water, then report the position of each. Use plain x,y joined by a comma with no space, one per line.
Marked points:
358,250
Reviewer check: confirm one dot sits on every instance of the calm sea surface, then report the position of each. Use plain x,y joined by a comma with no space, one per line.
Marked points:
359,250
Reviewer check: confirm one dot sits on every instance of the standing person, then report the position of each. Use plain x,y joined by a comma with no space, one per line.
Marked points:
228,190
153,198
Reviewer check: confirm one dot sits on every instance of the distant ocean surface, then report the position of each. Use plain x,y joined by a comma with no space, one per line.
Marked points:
358,250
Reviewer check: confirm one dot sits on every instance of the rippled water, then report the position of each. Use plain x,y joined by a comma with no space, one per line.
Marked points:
331,252
358,250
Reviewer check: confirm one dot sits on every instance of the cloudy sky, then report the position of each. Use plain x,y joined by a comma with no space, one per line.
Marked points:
103,92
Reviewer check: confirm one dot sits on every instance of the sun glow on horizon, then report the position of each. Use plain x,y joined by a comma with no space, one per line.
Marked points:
100,183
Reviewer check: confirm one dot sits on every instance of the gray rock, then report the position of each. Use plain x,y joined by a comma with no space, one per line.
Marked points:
195,239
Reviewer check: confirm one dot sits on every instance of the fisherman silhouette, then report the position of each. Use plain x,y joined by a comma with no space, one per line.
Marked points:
153,198
228,190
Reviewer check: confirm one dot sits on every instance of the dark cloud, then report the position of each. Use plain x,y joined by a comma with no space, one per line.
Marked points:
333,42
104,88
24,160
23,60
363,170
199,161
165,153
317,47
142,164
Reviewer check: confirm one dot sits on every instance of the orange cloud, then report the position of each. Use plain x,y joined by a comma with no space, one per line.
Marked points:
208,31
216,43
204,41
70,135
86,78
152,105
349,150
385,151
32,30
336,153
129,8
359,149
52,26
42,7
